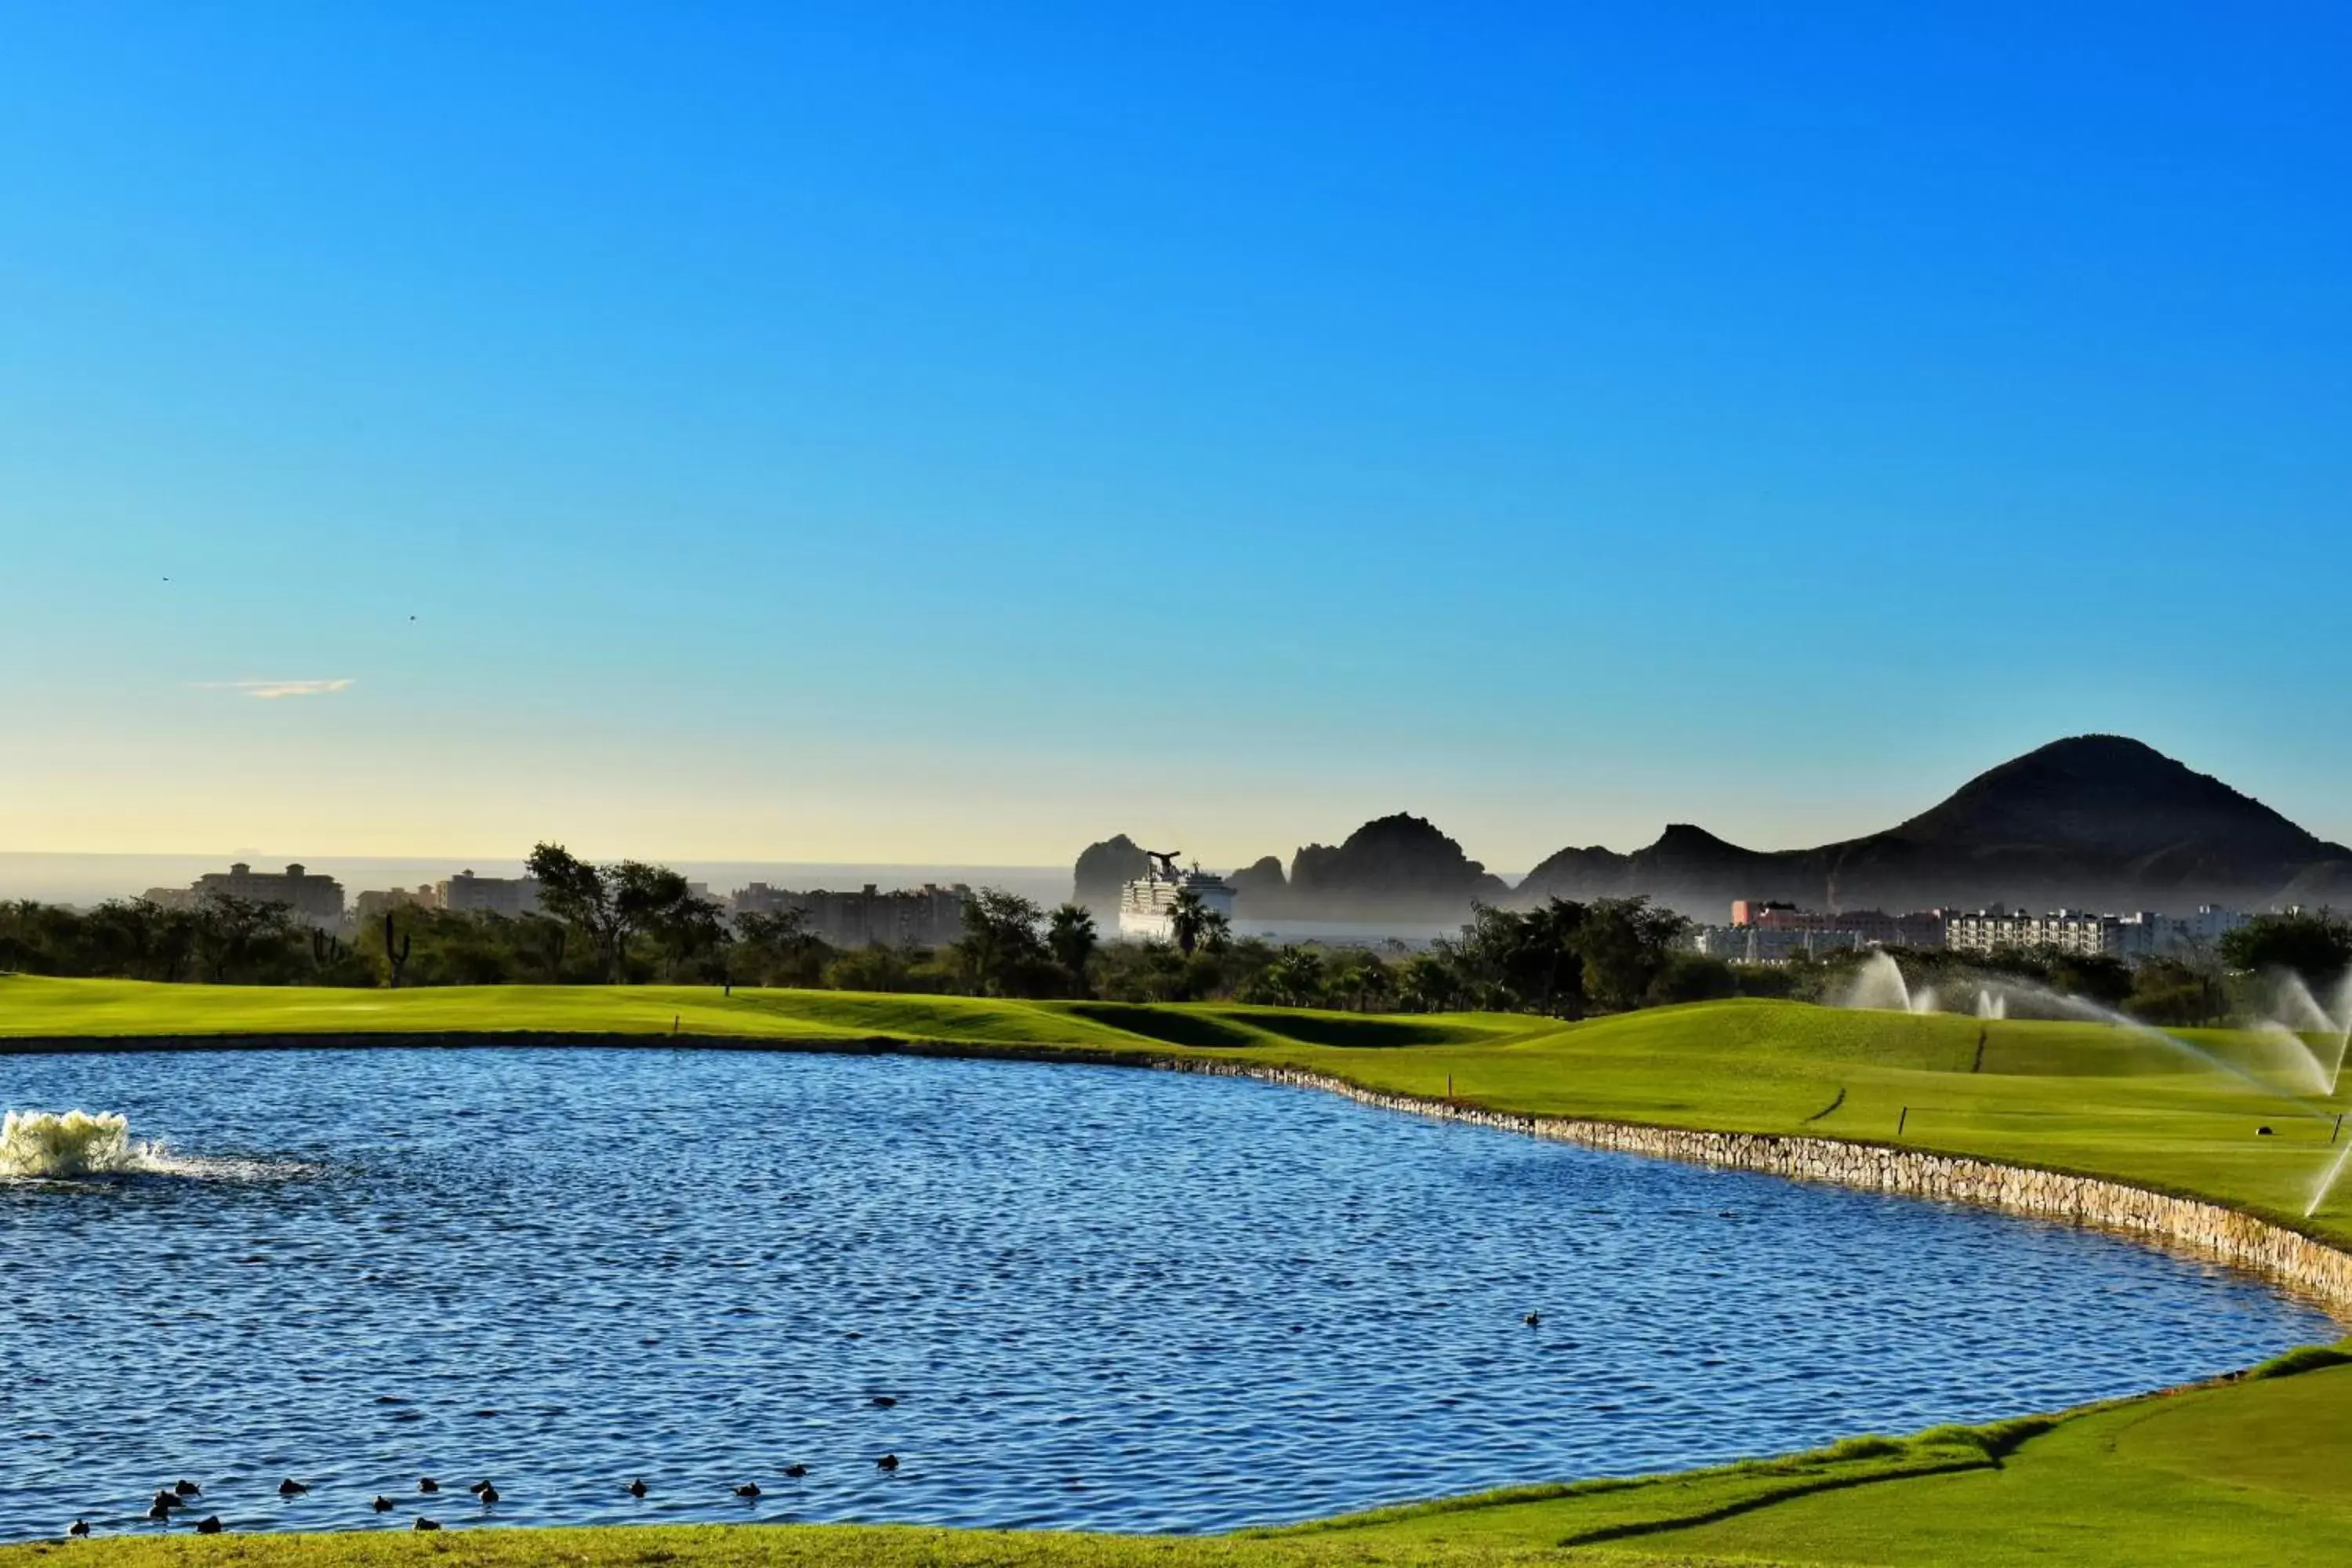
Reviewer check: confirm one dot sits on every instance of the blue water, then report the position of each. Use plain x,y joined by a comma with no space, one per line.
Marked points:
1101,1298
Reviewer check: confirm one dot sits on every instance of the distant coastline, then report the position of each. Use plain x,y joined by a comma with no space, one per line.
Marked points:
70,876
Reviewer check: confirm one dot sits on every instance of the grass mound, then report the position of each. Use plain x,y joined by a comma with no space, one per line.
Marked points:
1174,1026
2302,1359
1354,1031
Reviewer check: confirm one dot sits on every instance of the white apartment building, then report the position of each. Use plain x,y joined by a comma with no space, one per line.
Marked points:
2142,934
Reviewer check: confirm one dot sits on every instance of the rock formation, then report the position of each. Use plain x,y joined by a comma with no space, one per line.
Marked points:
2096,821
1104,868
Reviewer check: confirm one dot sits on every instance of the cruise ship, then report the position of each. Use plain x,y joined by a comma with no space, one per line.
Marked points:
1144,903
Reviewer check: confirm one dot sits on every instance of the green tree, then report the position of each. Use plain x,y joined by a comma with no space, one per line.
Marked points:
242,940
610,904
876,968
1070,938
139,939
777,948
1368,984
1690,977
1431,984
1295,979
1216,932
2098,977
689,933
999,950
1624,943
2175,991
1548,970
1521,961
2318,947
1188,919
541,942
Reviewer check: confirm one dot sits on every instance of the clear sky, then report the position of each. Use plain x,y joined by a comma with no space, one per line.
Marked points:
870,431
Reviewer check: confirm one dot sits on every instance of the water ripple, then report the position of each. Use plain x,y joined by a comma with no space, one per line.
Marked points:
1099,1298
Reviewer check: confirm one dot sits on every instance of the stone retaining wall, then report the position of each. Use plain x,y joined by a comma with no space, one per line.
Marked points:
2207,1229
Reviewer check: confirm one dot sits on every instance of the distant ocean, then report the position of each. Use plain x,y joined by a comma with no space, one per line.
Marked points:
68,879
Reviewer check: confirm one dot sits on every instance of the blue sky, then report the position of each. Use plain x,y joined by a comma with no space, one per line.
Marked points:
895,432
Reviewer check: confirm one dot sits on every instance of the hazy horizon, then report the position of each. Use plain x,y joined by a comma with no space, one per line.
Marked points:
1025,874
59,876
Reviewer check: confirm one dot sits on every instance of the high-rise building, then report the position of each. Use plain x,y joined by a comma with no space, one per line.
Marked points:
315,899
468,894
928,916
375,903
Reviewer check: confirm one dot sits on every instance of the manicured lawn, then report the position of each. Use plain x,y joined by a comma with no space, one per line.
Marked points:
2254,1471
2080,1096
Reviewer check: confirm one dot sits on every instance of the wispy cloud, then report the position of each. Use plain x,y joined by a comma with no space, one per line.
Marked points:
276,688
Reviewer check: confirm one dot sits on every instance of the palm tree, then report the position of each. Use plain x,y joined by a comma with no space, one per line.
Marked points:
1296,977
1368,984
1216,932
1070,938
1188,919
1431,985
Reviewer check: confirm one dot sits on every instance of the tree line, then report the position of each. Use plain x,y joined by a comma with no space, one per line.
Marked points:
631,923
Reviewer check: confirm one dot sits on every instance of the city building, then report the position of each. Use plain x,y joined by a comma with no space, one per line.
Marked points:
466,893
374,905
2142,934
2208,925
2061,931
760,899
1755,944
928,916
315,899
1868,928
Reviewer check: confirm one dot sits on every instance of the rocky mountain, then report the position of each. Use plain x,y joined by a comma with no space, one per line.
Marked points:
1393,867
1260,887
1105,868
1398,868
2096,821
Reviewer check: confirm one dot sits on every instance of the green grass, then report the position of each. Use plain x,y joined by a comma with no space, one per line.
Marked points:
2259,1470
2076,1097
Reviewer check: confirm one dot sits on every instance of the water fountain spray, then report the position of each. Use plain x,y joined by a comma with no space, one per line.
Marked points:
1879,985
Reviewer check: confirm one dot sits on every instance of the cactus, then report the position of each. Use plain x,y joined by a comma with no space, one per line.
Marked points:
396,957
327,950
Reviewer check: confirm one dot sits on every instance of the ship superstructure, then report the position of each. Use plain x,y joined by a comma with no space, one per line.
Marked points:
1144,903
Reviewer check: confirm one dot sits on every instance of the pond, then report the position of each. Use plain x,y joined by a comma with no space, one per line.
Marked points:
1060,1296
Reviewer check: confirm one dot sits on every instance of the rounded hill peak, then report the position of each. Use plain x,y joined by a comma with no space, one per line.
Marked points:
2106,795
1688,835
